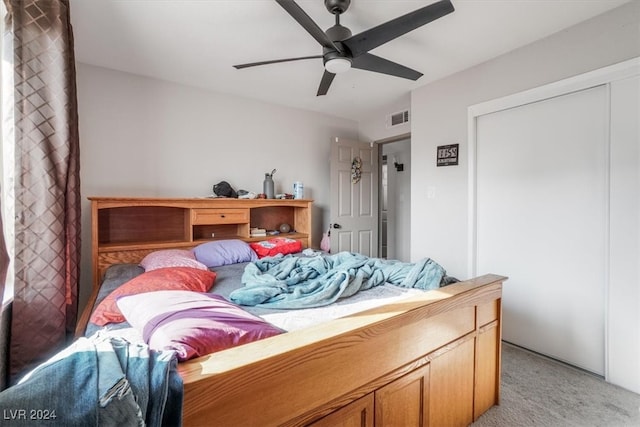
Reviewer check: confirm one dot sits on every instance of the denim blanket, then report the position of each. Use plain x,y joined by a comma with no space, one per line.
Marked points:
289,282
98,381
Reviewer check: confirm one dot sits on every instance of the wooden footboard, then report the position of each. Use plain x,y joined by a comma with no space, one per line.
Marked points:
433,359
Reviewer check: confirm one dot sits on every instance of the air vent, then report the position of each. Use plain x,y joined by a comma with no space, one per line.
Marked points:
397,119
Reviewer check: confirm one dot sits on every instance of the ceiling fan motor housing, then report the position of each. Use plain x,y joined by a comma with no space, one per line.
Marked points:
336,34
337,6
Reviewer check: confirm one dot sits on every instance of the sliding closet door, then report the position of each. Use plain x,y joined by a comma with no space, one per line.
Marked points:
541,220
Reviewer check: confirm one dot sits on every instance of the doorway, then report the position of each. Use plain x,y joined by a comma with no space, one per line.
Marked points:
395,198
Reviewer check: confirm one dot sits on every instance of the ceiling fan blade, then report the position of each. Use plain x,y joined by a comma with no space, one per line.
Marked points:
307,23
275,61
376,36
370,62
327,78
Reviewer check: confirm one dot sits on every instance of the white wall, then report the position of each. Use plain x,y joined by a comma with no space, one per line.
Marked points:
439,117
623,299
147,137
374,127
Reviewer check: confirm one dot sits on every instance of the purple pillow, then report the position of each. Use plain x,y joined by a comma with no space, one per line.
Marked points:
223,252
192,323
171,258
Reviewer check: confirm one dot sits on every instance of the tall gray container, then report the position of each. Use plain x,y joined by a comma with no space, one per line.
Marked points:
267,186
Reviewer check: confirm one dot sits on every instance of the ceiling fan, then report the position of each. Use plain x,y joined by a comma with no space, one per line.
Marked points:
341,50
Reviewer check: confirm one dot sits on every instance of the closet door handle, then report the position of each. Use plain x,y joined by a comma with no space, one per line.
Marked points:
337,226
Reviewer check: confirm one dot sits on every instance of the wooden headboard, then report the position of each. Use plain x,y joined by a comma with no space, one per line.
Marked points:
124,230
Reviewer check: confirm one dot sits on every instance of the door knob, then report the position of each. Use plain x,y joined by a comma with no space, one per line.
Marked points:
337,226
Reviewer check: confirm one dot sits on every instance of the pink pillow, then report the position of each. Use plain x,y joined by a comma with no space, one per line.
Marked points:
191,323
174,278
171,258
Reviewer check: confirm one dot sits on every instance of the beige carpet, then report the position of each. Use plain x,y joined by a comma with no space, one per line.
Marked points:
537,391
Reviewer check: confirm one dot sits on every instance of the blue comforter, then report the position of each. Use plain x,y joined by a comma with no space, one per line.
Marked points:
289,282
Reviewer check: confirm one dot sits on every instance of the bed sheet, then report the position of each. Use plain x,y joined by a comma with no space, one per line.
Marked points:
228,279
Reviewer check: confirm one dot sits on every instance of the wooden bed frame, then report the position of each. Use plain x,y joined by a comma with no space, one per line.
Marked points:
429,360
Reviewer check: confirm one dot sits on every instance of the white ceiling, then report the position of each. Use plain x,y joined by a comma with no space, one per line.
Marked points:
196,42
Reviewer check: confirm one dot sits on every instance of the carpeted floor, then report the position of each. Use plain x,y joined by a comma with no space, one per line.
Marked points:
537,391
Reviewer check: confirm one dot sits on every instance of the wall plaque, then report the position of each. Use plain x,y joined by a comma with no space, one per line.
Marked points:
447,155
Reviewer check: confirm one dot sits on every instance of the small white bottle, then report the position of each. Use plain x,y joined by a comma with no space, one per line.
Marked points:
298,190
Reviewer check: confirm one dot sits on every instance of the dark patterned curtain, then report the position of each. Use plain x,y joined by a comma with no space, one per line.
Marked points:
4,266
46,180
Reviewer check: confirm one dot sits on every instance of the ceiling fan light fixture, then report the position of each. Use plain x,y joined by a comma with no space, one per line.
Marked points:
337,65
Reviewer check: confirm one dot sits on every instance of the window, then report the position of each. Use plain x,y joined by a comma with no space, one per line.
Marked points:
7,152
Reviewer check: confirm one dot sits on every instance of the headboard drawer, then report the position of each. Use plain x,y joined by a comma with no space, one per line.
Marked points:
219,216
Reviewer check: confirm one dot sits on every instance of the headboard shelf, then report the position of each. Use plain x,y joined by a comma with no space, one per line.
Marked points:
128,246
142,223
295,236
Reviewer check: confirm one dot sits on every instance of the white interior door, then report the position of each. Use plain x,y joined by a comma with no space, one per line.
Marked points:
354,199
542,221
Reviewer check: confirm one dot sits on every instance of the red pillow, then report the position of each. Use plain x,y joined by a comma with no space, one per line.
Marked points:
277,245
172,278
